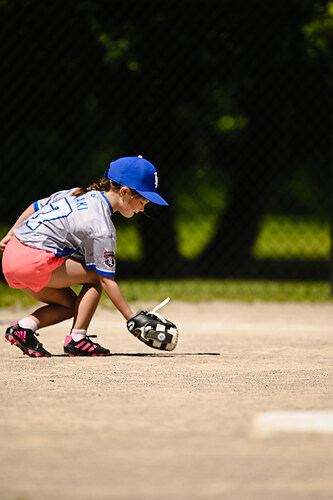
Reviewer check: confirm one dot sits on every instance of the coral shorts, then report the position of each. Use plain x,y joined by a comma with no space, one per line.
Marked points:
27,267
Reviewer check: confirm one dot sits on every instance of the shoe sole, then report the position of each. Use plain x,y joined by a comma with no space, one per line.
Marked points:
86,355
30,352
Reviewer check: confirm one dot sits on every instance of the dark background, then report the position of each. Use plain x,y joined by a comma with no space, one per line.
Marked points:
232,102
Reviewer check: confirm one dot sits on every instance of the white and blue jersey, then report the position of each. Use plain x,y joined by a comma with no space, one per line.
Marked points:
78,227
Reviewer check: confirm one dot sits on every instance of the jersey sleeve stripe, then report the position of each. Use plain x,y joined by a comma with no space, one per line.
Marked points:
107,201
66,251
36,207
109,274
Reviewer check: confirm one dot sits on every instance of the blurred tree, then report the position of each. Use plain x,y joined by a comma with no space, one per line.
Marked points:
235,90
53,69
279,91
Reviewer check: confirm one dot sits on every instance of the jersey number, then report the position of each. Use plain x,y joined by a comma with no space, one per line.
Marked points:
60,208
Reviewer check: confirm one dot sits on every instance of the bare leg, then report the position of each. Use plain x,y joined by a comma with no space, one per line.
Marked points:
61,305
86,305
62,301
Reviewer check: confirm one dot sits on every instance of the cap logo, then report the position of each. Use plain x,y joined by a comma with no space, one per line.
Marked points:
156,179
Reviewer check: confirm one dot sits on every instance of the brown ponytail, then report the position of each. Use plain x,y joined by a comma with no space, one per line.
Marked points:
105,185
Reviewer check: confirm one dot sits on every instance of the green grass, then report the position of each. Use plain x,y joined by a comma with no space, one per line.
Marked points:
292,237
194,232
129,243
197,291
279,237
207,290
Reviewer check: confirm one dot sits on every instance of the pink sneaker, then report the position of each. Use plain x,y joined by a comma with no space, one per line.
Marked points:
25,339
84,347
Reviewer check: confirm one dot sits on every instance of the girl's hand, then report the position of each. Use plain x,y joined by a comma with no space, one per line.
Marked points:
27,212
5,240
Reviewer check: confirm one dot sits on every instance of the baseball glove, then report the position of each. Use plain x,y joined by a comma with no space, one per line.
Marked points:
154,330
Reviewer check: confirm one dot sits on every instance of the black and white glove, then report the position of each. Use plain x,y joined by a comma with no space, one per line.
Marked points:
154,330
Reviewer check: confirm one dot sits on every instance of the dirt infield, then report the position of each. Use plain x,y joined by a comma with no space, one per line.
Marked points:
145,425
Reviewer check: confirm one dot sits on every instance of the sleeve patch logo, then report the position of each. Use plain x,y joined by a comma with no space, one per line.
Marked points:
109,259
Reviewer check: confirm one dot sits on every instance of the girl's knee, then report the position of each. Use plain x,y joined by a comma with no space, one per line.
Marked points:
94,279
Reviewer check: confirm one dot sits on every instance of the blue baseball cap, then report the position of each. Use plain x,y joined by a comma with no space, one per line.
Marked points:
136,173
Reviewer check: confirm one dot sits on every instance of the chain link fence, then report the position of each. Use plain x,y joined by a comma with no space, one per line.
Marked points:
231,101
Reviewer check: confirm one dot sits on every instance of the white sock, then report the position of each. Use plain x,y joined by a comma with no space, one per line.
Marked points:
28,323
77,334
